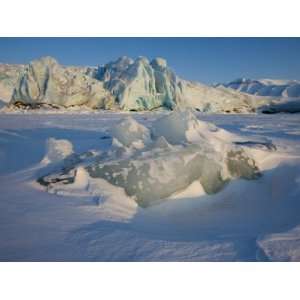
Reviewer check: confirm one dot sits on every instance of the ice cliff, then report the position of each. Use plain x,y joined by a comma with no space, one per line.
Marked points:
9,75
124,84
45,81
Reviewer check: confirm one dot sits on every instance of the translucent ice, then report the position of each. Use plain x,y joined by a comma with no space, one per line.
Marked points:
131,133
57,150
182,151
152,176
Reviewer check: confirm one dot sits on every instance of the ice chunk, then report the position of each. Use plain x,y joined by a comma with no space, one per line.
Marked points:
195,189
183,126
200,153
78,185
131,133
177,127
151,178
57,150
81,179
239,164
161,143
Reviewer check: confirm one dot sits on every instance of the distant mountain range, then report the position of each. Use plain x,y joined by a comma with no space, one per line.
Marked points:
130,85
265,87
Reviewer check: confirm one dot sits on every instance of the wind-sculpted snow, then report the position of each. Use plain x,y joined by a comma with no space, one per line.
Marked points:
82,218
124,84
156,169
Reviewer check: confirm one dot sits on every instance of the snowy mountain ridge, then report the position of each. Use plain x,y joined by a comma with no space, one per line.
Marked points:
265,87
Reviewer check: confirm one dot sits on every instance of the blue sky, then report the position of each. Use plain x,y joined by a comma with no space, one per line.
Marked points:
208,60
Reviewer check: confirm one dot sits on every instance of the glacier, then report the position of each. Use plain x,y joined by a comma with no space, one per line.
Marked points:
9,75
125,84
44,81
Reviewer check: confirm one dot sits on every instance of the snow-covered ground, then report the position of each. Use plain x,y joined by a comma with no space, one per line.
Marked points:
248,220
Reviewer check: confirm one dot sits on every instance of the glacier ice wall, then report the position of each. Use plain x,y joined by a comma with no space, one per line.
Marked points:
44,81
124,84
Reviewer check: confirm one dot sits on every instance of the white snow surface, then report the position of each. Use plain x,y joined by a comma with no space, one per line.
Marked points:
246,221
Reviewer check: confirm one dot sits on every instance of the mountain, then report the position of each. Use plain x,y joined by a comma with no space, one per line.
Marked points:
124,84
266,87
